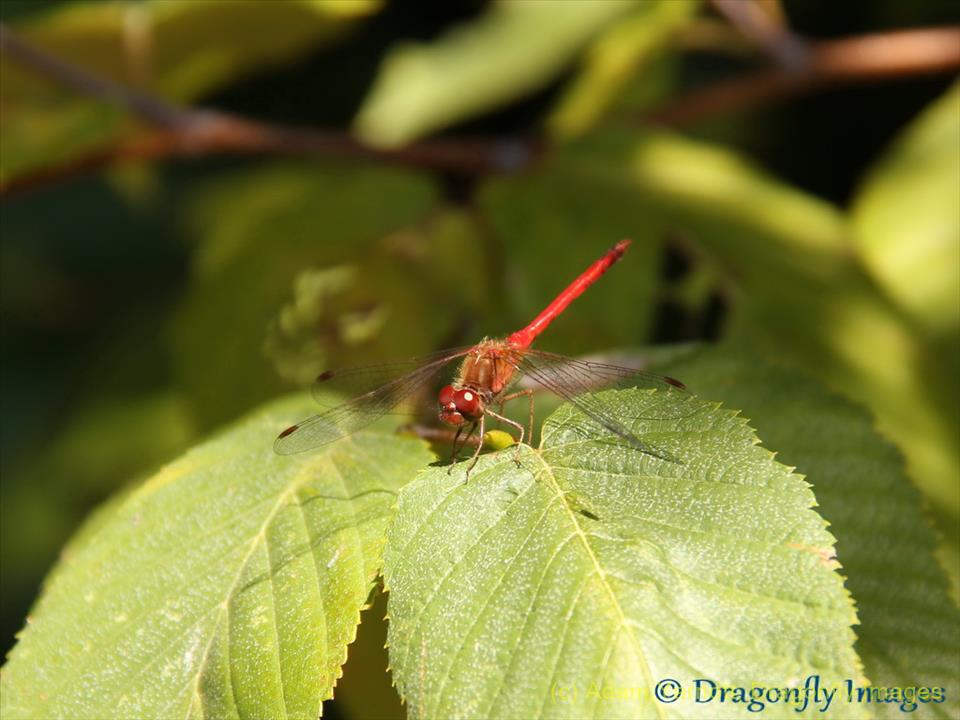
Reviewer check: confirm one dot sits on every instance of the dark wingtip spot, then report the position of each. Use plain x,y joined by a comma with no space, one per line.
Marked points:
325,375
675,382
286,432
587,513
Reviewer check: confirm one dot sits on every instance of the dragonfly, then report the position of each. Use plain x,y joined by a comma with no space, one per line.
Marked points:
490,373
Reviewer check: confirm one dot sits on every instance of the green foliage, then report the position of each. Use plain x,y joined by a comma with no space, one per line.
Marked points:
178,48
783,254
592,564
906,219
626,50
515,48
229,583
588,565
260,231
909,627
906,224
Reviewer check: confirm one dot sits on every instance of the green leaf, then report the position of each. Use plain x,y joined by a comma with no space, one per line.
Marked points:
592,568
179,49
906,218
909,632
514,48
230,583
622,54
793,285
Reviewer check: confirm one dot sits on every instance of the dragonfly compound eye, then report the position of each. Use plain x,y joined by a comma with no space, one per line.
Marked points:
446,395
467,402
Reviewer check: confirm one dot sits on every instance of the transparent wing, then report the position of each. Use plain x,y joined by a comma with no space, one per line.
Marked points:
573,380
589,375
356,381
362,410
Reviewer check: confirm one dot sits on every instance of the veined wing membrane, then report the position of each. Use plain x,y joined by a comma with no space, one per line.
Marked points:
573,380
332,387
362,410
589,375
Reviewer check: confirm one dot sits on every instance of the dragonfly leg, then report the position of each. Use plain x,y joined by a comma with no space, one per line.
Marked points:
426,432
453,445
457,448
510,422
529,395
476,453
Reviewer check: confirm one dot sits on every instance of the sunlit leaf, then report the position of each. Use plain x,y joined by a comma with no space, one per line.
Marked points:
619,56
514,48
793,284
909,631
907,218
230,583
569,585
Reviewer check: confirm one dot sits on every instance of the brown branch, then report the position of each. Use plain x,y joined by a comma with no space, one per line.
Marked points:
441,435
759,25
190,132
147,107
220,133
861,59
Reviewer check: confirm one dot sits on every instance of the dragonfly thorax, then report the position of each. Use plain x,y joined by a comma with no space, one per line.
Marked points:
484,375
488,368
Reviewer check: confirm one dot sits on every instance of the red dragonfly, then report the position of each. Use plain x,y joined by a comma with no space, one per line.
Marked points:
489,371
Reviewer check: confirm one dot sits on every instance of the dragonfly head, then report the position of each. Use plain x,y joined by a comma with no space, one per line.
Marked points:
459,406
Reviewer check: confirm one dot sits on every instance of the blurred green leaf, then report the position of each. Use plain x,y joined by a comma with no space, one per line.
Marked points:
909,631
179,49
257,232
616,58
592,564
292,341
796,289
230,583
514,48
906,218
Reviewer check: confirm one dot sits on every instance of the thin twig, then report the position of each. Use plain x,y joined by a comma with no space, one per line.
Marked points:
861,59
757,24
442,435
176,131
150,109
